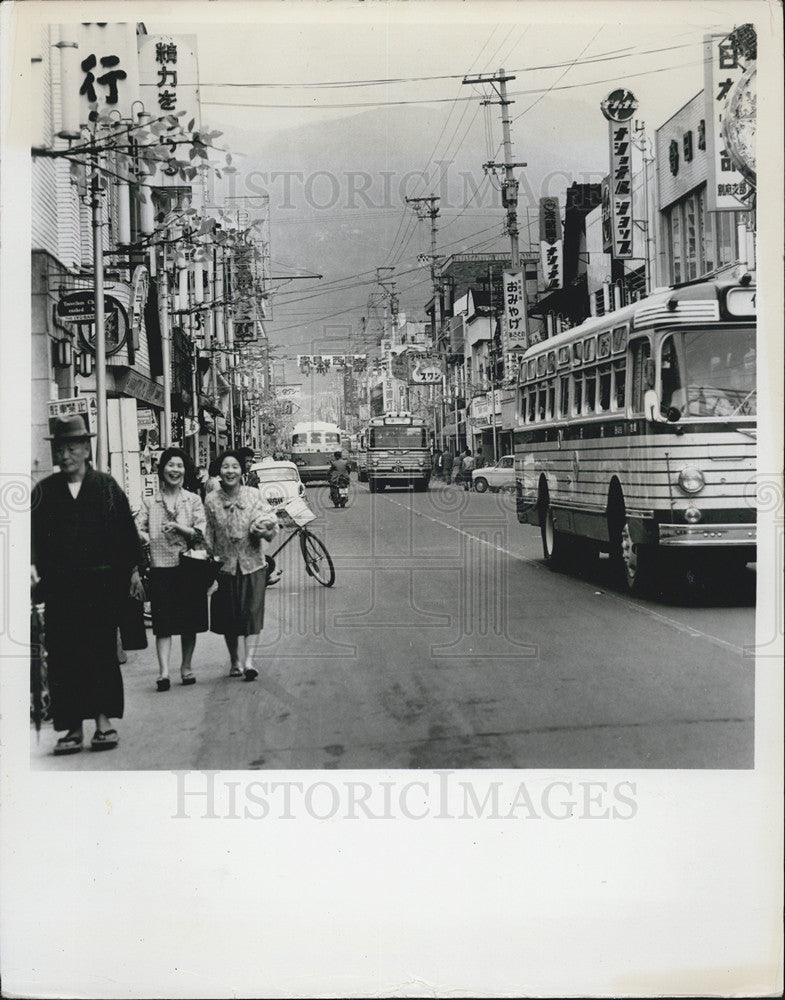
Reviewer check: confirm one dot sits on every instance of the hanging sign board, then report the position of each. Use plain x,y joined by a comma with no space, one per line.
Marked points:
619,107
514,326
726,186
551,244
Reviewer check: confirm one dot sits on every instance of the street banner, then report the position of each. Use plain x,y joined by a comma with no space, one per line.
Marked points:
513,328
726,186
619,107
169,77
607,216
324,363
551,244
107,78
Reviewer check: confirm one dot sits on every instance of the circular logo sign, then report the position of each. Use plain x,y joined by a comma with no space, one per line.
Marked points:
115,328
619,106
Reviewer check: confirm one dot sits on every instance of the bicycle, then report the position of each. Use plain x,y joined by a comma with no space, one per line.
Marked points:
295,515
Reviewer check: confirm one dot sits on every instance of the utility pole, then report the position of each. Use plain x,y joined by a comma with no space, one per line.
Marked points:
102,440
509,185
428,207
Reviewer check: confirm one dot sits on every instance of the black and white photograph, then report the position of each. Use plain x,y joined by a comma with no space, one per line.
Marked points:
391,437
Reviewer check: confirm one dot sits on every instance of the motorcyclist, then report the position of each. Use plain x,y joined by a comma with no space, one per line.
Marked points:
338,475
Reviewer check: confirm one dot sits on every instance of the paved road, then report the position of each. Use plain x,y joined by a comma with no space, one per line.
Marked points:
446,642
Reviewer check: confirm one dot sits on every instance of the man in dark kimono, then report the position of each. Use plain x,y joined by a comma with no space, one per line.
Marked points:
86,553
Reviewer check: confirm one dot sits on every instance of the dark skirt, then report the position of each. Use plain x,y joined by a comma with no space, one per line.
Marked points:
237,606
81,620
178,601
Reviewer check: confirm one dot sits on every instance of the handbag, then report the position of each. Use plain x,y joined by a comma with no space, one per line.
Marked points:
202,568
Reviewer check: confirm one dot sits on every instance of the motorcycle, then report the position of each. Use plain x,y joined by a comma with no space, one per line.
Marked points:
339,491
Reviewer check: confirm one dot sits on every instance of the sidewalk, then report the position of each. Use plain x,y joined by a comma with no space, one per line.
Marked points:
151,717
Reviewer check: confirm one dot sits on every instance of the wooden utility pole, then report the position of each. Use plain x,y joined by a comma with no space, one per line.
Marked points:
509,185
428,207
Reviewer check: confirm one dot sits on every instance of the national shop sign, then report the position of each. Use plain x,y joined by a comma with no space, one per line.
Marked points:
551,244
619,107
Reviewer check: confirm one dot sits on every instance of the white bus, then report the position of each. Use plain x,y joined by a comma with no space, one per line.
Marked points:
313,445
394,451
636,433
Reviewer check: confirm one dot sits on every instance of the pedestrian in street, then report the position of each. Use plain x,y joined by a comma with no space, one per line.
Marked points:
86,555
239,522
171,522
447,464
213,479
249,478
465,469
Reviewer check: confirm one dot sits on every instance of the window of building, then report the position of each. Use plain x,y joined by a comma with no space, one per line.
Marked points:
699,241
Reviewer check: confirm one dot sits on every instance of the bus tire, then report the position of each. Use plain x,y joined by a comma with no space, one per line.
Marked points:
480,485
633,566
555,544
362,477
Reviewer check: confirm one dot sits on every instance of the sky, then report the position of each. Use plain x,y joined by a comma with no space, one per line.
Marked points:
302,70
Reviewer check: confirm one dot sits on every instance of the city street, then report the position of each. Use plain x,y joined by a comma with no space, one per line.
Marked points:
447,642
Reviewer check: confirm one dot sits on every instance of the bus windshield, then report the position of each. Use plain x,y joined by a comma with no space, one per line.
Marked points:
709,373
398,437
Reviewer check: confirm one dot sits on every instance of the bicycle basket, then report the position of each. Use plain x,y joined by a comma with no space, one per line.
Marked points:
295,513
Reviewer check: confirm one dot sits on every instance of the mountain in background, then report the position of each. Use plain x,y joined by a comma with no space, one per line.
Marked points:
337,194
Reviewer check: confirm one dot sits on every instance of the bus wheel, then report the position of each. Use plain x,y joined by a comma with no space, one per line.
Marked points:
362,477
554,543
480,485
633,566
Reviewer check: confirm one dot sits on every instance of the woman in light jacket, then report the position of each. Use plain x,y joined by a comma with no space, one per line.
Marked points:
239,522
170,523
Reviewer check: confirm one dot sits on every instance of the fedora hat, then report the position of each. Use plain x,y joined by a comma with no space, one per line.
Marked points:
70,429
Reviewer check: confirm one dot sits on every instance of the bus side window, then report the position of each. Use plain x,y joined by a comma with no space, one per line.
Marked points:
641,354
577,392
550,406
672,390
605,387
619,382
541,401
591,390
532,411
564,396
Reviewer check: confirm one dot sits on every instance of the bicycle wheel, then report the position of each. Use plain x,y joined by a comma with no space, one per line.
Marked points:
318,563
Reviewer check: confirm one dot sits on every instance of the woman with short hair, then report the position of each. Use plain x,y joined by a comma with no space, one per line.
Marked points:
239,522
171,522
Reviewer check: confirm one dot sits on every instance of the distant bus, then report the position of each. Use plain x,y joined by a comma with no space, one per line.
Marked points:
313,445
636,433
394,452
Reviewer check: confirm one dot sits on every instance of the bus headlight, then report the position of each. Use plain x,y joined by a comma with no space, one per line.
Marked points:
692,515
421,461
691,480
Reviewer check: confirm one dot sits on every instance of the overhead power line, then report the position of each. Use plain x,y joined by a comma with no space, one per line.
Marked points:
447,100
609,56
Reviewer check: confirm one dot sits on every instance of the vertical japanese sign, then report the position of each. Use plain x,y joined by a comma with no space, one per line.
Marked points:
607,216
169,76
723,68
108,70
551,244
513,325
619,107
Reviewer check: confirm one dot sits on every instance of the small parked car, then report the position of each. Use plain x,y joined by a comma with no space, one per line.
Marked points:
278,481
500,476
